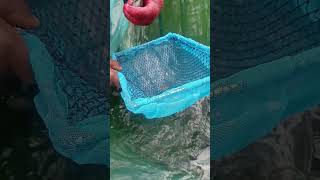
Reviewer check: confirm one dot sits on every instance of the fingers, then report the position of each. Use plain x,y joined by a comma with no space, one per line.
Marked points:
14,54
17,14
115,65
19,62
143,15
5,46
22,21
114,79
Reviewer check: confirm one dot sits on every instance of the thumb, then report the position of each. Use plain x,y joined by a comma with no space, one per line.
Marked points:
115,65
23,20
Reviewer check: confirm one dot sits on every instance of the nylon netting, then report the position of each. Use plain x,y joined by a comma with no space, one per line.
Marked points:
164,76
249,33
75,33
264,67
151,71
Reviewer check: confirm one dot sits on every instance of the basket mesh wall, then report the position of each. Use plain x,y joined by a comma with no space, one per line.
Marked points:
75,32
171,71
151,71
264,59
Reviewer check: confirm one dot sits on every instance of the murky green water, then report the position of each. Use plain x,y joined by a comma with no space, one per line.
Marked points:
176,147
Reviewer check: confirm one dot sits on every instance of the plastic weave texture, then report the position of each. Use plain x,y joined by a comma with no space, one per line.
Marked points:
164,76
68,57
265,68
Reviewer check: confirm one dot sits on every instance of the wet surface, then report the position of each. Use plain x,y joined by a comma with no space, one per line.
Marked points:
172,148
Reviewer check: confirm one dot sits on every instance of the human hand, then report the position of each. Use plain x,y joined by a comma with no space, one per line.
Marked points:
14,56
17,14
114,79
144,15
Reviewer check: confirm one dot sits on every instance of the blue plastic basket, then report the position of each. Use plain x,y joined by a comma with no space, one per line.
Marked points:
164,76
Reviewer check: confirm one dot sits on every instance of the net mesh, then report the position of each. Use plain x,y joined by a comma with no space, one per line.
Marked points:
249,33
274,44
75,33
164,76
152,70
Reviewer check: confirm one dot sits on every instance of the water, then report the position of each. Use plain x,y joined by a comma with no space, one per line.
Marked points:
173,148
176,147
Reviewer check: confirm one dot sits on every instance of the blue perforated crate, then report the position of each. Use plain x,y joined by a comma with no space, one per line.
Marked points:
164,76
